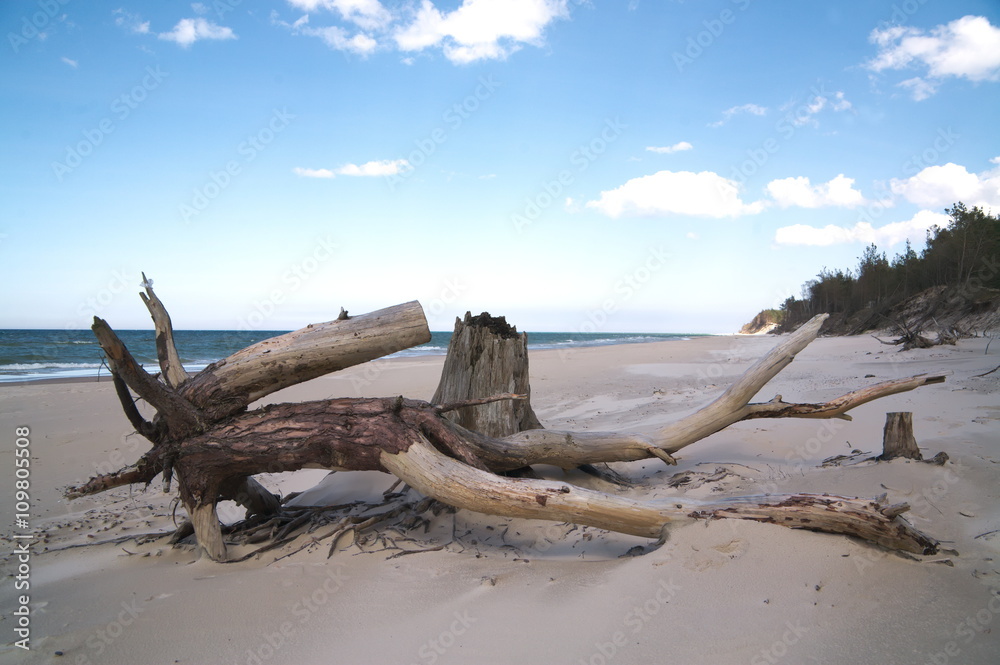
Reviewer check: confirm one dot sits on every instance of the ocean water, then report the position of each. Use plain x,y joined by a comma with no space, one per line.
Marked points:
27,355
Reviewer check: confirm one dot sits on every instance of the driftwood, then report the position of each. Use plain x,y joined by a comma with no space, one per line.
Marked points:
910,337
487,356
204,435
897,437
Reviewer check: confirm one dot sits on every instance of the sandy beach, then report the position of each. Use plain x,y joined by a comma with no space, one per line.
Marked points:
505,590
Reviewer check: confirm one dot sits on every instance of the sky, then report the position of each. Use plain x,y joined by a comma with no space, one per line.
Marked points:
587,166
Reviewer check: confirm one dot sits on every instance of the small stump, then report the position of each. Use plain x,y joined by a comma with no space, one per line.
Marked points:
897,437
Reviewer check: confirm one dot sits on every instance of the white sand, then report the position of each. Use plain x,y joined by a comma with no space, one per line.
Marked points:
725,592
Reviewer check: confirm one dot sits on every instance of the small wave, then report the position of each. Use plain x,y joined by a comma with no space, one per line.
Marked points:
420,351
34,367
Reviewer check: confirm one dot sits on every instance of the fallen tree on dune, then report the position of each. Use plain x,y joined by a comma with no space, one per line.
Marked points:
205,438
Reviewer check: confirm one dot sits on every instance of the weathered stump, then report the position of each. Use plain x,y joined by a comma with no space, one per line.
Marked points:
486,357
897,437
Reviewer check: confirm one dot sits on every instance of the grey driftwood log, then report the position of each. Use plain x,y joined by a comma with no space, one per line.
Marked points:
204,436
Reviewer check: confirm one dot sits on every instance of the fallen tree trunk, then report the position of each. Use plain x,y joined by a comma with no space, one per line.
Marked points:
228,386
429,471
203,432
913,338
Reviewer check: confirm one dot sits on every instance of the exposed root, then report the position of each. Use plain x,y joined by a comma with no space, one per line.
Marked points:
291,523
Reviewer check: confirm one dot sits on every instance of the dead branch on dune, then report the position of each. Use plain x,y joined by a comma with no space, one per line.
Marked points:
205,437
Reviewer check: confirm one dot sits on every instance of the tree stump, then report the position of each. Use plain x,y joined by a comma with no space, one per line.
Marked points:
897,437
486,357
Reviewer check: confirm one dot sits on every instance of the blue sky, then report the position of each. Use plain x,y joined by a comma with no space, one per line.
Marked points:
585,166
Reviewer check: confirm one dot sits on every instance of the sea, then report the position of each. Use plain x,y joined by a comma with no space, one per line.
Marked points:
28,355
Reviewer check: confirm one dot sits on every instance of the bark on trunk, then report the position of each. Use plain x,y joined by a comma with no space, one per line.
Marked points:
897,437
486,357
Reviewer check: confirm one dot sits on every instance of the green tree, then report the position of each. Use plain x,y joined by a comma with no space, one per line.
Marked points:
872,284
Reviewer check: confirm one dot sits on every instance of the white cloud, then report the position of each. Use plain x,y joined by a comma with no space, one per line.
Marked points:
199,8
337,38
189,30
704,194
313,173
375,168
72,63
891,234
479,29
968,47
474,30
804,113
666,150
752,109
941,186
800,192
130,21
840,103
920,88
366,14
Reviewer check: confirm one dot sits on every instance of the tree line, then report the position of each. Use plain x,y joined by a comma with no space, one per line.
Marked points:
965,253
